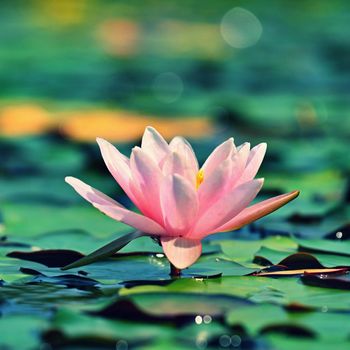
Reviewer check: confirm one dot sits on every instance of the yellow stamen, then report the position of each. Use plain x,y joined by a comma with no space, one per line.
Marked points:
200,178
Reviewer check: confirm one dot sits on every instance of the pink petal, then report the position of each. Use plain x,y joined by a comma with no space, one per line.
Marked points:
113,209
238,163
220,153
154,145
183,148
257,211
118,166
214,186
147,178
181,252
179,204
227,207
175,163
244,152
254,161
240,158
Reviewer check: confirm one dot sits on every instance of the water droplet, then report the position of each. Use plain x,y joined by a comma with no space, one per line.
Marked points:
198,319
207,319
122,345
225,341
236,341
339,235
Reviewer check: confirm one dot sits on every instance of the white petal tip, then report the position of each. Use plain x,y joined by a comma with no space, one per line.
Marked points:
136,150
69,179
261,180
101,141
151,129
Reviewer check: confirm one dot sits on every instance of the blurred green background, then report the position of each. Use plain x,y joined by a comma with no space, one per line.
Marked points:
274,71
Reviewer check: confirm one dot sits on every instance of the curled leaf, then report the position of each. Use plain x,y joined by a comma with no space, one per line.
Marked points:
299,264
105,251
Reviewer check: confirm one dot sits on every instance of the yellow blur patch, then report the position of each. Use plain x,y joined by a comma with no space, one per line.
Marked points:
62,13
85,125
125,126
26,119
200,178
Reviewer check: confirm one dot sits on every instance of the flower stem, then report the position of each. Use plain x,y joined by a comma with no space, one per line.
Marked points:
174,271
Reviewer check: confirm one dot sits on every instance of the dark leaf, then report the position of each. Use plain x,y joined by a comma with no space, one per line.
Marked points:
135,283
125,309
49,257
310,219
341,281
69,280
289,330
5,243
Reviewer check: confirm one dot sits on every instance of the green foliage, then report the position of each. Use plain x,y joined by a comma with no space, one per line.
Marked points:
290,90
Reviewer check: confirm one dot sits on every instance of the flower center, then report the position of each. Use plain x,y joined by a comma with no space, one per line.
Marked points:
200,178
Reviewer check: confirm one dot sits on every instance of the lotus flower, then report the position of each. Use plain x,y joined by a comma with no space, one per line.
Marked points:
179,202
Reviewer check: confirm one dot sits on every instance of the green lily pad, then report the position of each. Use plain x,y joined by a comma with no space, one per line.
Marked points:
326,325
28,326
257,289
244,251
23,220
275,256
325,246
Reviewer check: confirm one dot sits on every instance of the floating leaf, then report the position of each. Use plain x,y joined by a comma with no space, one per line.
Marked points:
298,323
325,246
70,281
283,291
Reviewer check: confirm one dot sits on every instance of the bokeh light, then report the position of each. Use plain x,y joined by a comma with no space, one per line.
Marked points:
168,87
240,28
119,37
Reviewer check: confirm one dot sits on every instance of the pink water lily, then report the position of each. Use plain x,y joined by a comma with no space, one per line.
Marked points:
179,202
